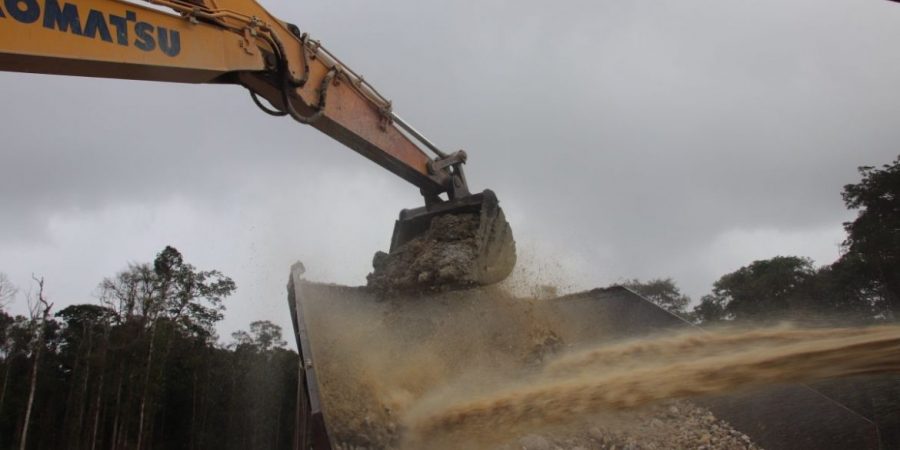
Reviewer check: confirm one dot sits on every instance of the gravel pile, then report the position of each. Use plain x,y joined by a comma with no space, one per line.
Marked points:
673,425
670,426
444,256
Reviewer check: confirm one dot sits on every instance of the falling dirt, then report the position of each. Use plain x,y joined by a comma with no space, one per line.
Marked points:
463,243
376,358
680,347
444,256
483,369
591,383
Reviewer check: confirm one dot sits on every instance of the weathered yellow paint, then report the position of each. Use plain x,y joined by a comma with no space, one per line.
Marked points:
206,51
229,42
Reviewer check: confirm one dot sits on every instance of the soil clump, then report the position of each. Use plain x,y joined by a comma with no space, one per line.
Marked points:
443,257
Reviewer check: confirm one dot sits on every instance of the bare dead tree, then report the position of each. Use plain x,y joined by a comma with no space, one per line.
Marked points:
7,290
39,310
7,293
104,349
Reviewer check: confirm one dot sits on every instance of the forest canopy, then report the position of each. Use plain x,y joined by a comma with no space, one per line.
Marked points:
141,368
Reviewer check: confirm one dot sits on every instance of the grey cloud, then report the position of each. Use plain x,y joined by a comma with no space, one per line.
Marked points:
631,136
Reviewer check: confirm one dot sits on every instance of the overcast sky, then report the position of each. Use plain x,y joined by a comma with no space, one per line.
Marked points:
642,139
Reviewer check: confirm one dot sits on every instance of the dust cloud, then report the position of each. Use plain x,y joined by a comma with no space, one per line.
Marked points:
634,375
481,368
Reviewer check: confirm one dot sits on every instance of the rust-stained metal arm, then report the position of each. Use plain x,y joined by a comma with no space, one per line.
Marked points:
223,41
338,102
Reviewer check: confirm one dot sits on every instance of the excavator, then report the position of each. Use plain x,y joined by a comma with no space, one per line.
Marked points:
286,72
365,358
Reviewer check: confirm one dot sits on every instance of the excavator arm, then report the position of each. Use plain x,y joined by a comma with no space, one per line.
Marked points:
239,42
224,41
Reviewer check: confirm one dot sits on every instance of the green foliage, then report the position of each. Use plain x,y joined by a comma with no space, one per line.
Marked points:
710,309
788,288
845,287
147,350
873,239
190,297
170,289
7,289
764,288
263,336
863,285
661,291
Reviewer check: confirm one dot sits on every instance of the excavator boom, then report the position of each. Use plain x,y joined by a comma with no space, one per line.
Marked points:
237,42
234,42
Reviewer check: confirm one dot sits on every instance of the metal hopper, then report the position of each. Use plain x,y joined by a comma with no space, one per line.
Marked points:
776,417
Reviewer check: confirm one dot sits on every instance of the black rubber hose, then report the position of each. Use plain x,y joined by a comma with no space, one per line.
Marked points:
266,109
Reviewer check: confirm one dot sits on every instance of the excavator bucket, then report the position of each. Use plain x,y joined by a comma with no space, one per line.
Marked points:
369,363
454,244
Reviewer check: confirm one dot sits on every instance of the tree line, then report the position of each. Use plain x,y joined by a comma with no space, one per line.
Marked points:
142,369
862,286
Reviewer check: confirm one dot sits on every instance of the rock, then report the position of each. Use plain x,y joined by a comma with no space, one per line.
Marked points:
535,442
597,434
677,425
444,255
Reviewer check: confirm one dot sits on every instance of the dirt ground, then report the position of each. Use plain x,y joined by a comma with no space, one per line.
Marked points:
668,426
672,425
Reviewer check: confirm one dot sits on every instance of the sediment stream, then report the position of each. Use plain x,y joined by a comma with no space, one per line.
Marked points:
482,369
636,374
